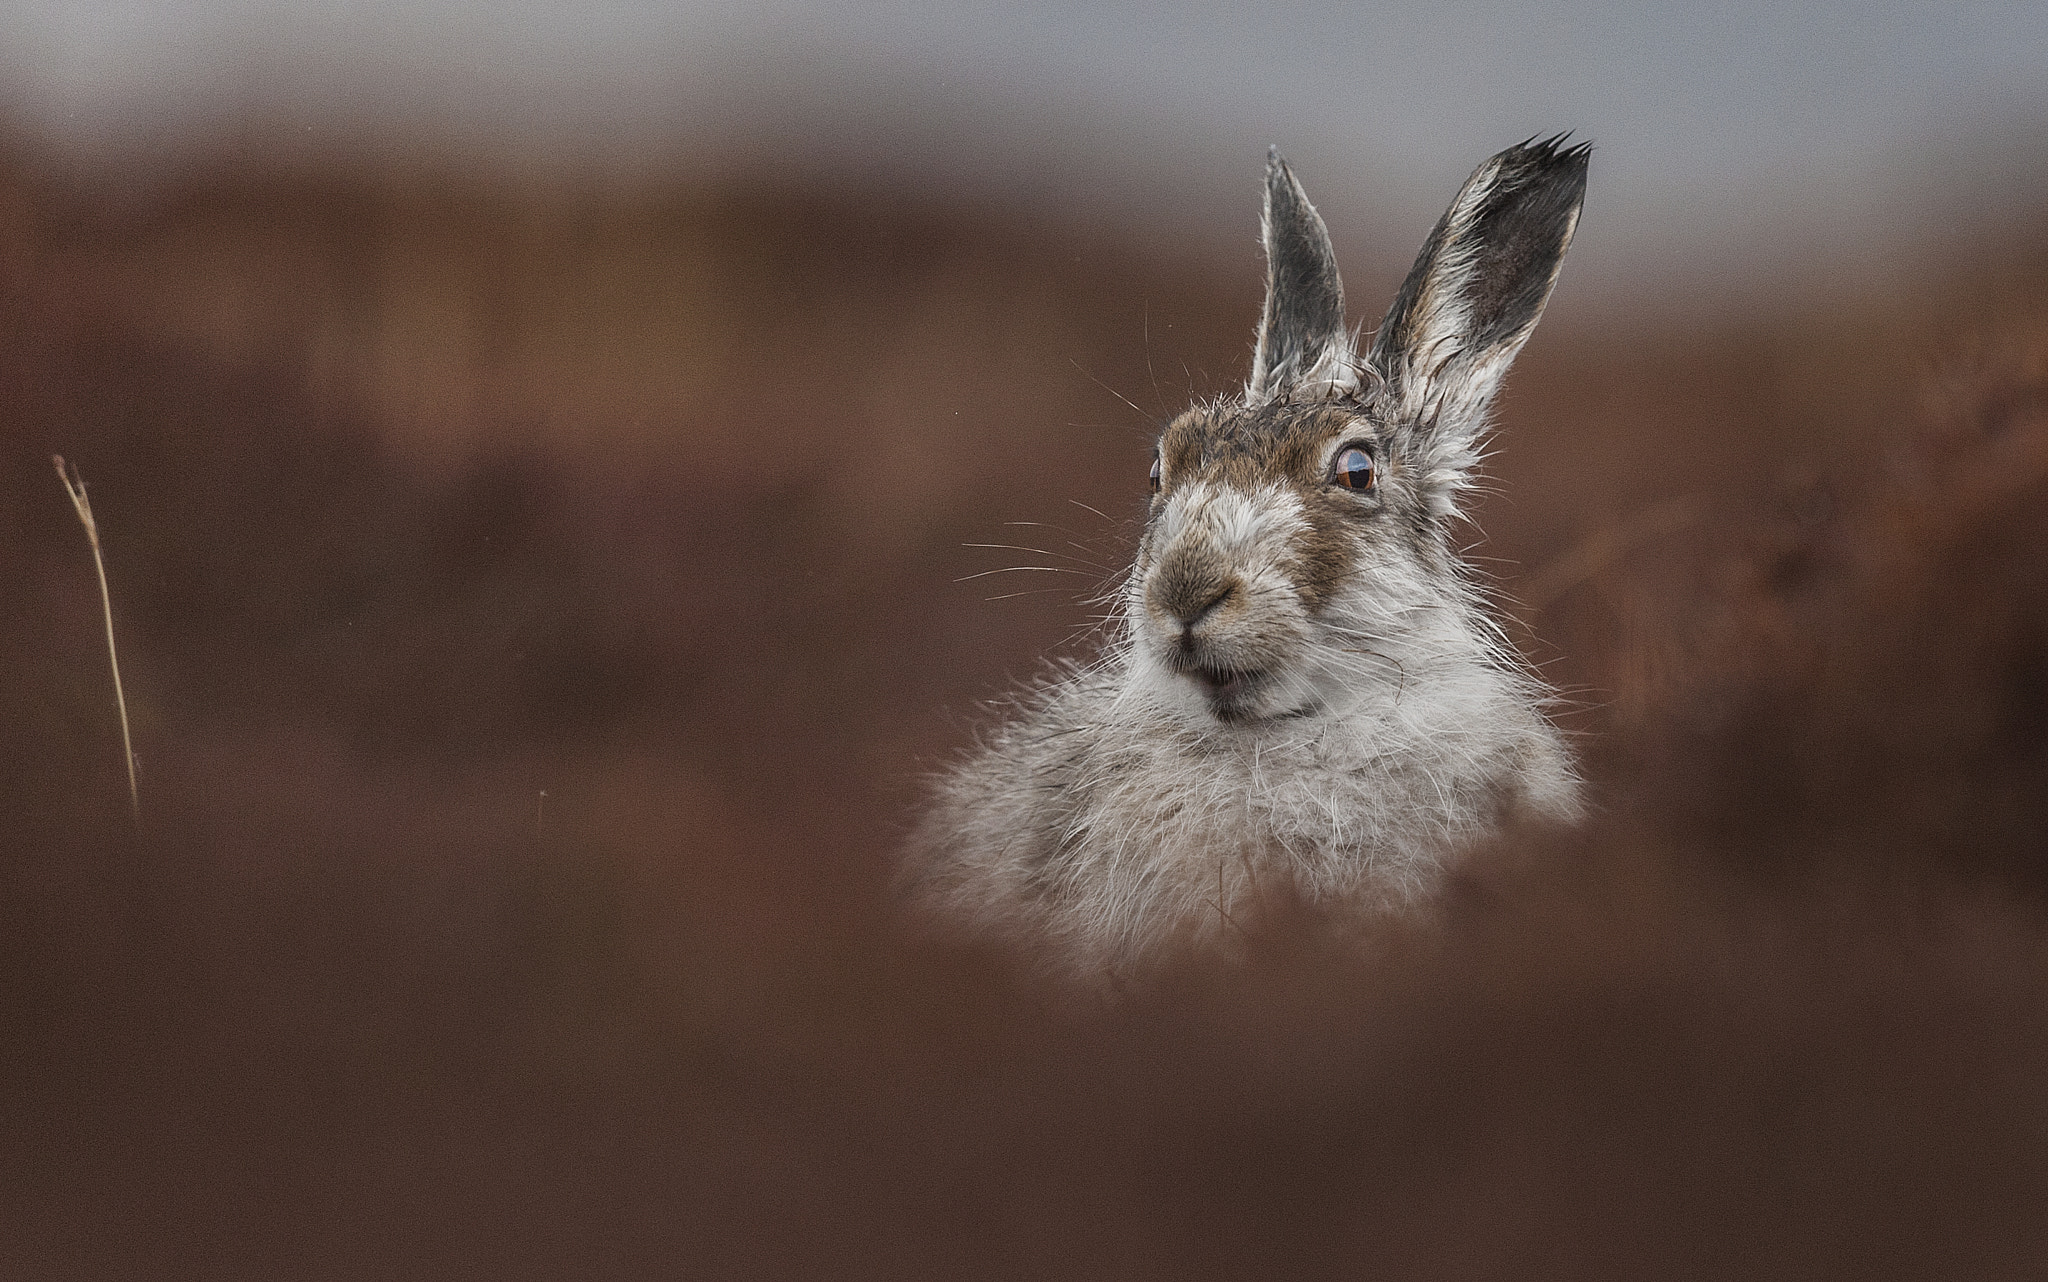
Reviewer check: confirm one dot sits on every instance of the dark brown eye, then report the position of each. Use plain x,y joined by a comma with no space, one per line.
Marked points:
1353,469
1155,473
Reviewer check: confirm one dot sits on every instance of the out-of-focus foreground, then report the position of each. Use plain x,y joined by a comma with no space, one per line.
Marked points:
537,605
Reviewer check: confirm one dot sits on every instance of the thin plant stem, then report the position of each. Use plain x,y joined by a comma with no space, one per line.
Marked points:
75,487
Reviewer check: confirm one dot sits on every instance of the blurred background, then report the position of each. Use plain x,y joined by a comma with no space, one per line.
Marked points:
540,454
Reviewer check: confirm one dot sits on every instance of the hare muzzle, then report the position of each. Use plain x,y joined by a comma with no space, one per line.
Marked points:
1223,615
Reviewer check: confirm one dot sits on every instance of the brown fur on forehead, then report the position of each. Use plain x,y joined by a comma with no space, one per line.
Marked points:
1245,448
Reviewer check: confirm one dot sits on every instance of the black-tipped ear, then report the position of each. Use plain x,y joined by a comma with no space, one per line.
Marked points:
1475,292
1302,340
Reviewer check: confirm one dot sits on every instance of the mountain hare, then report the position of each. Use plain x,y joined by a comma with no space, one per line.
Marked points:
1306,690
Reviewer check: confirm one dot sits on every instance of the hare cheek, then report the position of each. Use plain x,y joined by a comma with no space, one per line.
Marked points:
1387,590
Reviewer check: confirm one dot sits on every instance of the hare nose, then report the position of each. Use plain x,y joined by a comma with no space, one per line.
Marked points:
1190,602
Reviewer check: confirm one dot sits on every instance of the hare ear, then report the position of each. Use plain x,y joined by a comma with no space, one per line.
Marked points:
1471,299
1302,339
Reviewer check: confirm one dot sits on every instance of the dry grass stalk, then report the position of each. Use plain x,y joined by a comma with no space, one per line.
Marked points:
75,487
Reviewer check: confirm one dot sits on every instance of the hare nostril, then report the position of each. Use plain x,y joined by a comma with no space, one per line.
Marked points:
1193,608
1188,587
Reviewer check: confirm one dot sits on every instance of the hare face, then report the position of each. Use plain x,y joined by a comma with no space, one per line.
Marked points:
1283,542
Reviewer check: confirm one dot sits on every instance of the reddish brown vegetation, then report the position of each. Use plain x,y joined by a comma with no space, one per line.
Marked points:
422,498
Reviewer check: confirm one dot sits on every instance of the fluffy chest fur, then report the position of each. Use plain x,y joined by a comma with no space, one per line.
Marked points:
1106,822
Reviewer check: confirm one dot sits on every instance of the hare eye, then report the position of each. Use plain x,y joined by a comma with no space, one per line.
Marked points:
1353,469
1155,472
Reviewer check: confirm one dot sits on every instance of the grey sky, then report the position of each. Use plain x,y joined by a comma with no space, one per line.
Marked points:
1727,134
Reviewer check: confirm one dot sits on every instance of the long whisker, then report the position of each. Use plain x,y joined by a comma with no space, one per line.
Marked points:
1111,390
1016,547
1022,569
1007,596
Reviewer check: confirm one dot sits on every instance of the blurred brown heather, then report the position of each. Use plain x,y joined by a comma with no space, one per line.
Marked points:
424,492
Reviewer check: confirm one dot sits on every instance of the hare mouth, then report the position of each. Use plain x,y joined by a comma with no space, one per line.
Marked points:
1227,688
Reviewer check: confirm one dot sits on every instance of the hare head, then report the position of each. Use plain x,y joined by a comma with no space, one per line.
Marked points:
1297,537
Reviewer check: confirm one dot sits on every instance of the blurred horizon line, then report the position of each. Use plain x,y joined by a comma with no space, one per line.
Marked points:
1924,210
